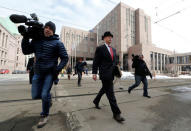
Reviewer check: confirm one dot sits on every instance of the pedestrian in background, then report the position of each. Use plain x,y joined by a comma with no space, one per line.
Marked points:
69,71
30,68
141,71
79,69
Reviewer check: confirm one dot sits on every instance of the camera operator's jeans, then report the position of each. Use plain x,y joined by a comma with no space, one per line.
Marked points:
138,80
41,86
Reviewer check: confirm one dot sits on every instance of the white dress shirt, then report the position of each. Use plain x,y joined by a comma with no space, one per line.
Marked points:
108,48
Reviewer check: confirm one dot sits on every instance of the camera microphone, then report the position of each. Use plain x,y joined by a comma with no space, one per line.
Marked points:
18,18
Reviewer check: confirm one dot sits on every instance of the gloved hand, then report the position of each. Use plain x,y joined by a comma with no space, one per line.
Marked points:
151,76
55,76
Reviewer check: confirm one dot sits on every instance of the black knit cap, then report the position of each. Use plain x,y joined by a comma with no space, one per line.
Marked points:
51,25
107,33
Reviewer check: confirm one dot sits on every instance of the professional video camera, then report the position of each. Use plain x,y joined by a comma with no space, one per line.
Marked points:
34,29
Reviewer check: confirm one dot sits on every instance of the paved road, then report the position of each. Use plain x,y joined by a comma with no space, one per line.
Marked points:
168,110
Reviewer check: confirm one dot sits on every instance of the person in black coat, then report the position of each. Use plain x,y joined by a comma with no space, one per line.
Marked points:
30,69
105,61
141,71
47,50
79,69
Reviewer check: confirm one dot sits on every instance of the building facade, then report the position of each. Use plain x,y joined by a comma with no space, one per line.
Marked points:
78,43
157,59
131,29
11,56
129,26
180,62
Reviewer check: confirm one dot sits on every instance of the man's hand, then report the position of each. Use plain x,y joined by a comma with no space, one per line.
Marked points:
28,71
94,77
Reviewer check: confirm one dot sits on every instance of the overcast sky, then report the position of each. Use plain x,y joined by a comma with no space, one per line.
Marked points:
172,33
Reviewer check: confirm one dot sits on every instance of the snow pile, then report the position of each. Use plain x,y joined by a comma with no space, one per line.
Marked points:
130,75
185,76
162,77
14,77
182,89
127,75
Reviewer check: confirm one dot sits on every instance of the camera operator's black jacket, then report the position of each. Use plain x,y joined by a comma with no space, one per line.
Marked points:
140,68
47,51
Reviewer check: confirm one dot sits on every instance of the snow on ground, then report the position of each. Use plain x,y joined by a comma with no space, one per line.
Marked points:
182,89
129,75
125,76
13,77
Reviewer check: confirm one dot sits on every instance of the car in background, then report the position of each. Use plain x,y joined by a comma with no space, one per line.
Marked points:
4,71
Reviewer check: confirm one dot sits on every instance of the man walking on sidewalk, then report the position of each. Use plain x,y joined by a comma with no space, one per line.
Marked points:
141,71
105,60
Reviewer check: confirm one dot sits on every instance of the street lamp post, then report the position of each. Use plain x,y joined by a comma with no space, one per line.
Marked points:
97,34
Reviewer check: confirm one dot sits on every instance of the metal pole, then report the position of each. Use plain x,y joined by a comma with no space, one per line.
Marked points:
75,54
72,56
97,34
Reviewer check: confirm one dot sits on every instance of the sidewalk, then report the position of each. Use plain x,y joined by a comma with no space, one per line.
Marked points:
78,113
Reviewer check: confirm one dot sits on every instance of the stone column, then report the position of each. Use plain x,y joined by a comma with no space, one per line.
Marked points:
153,61
84,58
164,63
121,58
161,62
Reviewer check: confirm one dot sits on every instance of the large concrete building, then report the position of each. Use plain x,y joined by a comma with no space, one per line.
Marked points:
11,56
129,26
132,35
79,43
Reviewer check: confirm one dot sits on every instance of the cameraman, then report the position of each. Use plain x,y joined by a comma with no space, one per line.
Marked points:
47,51
141,71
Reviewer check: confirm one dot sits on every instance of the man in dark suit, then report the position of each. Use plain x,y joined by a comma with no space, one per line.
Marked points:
105,60
30,69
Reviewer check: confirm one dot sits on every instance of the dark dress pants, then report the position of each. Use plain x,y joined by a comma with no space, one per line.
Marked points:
107,88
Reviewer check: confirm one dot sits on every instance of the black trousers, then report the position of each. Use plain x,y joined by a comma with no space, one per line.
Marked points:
107,88
79,78
31,74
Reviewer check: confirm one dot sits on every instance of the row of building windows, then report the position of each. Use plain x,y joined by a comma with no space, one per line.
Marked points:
3,54
130,26
180,60
110,23
146,29
77,37
3,39
3,62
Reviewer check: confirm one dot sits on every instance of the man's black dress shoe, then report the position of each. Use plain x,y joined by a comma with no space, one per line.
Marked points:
97,105
118,118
